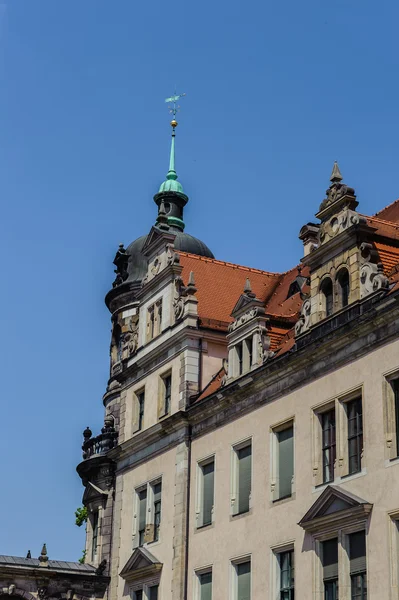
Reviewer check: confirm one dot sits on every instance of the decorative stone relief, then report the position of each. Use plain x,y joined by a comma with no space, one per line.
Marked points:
155,267
303,322
339,223
131,337
178,300
372,278
172,257
264,345
247,316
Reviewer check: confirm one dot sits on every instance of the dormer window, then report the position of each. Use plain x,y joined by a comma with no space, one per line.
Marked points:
327,291
343,283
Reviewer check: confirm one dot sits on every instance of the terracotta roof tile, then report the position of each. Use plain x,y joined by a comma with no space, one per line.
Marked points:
385,229
214,384
389,256
220,284
390,212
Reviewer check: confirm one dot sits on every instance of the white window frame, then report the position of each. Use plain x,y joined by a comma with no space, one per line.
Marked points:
234,562
275,571
394,550
234,482
150,512
317,437
199,496
197,580
391,435
144,587
274,459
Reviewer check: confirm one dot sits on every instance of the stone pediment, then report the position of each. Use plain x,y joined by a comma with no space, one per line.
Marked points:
156,238
141,564
244,303
335,506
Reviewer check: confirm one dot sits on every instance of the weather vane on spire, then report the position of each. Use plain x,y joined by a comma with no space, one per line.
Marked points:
174,108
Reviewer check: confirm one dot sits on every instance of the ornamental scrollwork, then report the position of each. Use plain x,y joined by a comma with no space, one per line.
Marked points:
303,322
247,316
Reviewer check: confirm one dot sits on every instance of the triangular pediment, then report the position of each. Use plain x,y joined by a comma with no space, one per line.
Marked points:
243,303
141,563
155,238
333,504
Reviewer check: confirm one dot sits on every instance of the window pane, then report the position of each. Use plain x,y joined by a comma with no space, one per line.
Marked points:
244,478
328,445
138,595
357,552
330,559
153,593
287,575
331,590
285,461
142,515
205,586
157,490
95,536
208,490
355,434
395,386
244,581
141,409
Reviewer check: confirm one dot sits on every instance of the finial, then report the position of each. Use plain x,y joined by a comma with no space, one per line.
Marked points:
174,109
43,555
190,288
248,289
87,434
336,174
162,220
29,555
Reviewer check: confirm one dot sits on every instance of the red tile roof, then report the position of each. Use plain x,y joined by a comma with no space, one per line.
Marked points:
389,256
390,212
220,284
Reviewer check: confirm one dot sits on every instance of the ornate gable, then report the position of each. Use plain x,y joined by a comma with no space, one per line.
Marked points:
333,509
140,565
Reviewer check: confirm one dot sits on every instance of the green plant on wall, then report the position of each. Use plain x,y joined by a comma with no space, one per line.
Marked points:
81,516
82,559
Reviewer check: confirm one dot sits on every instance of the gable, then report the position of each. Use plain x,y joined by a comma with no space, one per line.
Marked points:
156,237
141,564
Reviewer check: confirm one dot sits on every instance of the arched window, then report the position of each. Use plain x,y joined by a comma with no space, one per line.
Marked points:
327,291
343,281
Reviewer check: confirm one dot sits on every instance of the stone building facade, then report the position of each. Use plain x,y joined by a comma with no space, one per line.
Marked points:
250,448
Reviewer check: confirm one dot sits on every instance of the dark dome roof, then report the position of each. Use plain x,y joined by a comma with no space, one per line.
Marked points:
137,265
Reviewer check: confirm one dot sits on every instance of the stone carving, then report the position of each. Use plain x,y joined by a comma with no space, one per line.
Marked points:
339,223
101,567
372,278
155,267
120,261
334,193
247,316
42,592
178,300
131,338
172,257
11,589
264,346
303,322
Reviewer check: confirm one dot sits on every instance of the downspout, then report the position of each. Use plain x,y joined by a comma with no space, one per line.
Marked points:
200,366
188,513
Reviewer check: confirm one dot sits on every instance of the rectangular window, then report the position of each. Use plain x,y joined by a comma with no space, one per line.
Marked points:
242,477
142,515
140,400
167,393
157,494
94,542
355,435
358,571
330,569
285,461
242,580
239,358
328,444
205,586
206,483
287,575
153,592
138,595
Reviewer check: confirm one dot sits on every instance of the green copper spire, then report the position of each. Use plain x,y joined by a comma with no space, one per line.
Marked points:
171,184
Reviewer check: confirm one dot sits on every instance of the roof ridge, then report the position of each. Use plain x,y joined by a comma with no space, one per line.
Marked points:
229,264
385,207
374,218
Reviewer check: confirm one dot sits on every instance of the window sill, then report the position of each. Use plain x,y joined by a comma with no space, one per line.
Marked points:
283,500
392,461
204,527
240,515
351,476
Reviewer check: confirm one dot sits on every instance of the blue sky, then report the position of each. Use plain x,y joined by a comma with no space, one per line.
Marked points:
276,91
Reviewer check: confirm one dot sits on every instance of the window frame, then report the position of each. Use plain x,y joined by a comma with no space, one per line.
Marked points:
275,567
198,573
344,291
95,534
391,414
165,399
328,299
200,491
148,487
357,437
275,430
234,563
234,478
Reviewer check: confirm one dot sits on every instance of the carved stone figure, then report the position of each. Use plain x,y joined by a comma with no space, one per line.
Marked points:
120,261
303,322
131,338
178,301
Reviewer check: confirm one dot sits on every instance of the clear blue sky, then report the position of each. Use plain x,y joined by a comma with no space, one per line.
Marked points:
276,91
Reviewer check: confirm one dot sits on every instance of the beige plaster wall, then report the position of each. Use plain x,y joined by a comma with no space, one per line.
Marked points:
161,466
152,383
269,525
212,361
